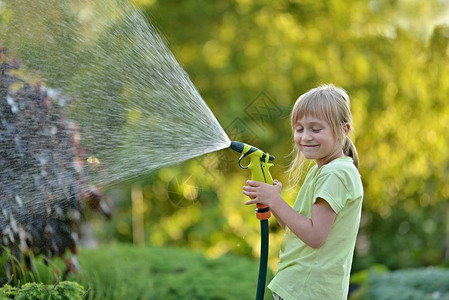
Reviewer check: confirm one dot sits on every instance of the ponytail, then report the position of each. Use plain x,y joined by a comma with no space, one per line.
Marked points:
350,150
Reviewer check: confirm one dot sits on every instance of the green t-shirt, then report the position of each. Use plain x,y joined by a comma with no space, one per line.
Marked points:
323,273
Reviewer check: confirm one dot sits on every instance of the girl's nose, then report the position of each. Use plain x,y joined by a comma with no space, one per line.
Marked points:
306,135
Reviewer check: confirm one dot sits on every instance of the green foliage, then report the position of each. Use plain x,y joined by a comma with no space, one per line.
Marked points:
65,290
69,290
417,239
8,291
40,269
33,290
410,284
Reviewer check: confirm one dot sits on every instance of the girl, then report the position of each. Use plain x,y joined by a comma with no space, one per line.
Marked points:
321,227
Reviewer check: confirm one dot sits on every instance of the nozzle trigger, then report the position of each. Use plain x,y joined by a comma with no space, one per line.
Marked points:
240,162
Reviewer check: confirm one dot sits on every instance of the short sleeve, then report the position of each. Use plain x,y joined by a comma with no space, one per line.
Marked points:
330,187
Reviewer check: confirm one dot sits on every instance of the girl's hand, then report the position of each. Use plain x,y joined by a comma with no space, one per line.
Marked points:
261,192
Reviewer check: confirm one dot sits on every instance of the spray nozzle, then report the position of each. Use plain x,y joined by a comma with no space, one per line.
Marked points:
246,150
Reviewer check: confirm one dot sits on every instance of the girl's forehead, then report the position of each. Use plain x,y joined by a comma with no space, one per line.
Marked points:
309,119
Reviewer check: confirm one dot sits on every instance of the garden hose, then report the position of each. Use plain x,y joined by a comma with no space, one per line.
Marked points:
259,166
264,241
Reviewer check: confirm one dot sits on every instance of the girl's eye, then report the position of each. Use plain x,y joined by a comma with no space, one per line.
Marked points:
299,129
316,130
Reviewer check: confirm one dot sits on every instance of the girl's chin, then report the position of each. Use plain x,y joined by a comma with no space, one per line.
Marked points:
309,155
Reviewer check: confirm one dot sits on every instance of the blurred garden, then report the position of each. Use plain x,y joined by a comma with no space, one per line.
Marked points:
181,231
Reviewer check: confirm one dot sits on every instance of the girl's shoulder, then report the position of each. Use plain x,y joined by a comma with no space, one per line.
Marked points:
342,171
342,167
342,163
312,172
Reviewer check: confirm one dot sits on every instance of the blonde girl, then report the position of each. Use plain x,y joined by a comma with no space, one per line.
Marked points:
315,257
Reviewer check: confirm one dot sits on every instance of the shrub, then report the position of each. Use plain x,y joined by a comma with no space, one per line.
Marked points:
8,292
65,290
407,284
43,189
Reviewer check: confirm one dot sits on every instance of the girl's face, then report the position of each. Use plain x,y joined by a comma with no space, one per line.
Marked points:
315,139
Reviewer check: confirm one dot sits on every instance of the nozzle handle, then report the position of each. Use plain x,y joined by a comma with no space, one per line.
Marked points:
263,211
259,166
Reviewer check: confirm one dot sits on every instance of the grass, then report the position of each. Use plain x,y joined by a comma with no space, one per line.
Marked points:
129,272
123,271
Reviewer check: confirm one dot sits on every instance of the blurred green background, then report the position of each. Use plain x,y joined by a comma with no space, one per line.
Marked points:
250,60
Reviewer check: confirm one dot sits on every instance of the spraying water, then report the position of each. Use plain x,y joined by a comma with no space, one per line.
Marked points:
135,107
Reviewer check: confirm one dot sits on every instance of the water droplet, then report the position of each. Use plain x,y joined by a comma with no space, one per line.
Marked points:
53,93
10,100
19,200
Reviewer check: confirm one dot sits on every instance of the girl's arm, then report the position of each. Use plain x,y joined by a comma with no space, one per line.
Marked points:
313,231
277,218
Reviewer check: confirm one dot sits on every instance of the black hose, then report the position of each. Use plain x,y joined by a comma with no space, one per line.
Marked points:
263,259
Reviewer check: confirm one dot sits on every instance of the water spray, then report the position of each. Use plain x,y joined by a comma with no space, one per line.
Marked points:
259,166
129,94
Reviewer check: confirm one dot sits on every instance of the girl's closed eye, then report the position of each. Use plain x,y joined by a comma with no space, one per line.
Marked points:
316,130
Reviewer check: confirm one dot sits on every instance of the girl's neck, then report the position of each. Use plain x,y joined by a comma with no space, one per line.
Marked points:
326,160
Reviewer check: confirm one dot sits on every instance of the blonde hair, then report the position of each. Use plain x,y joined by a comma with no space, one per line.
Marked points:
328,103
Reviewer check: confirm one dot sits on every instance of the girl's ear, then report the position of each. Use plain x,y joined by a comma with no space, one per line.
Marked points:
346,128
